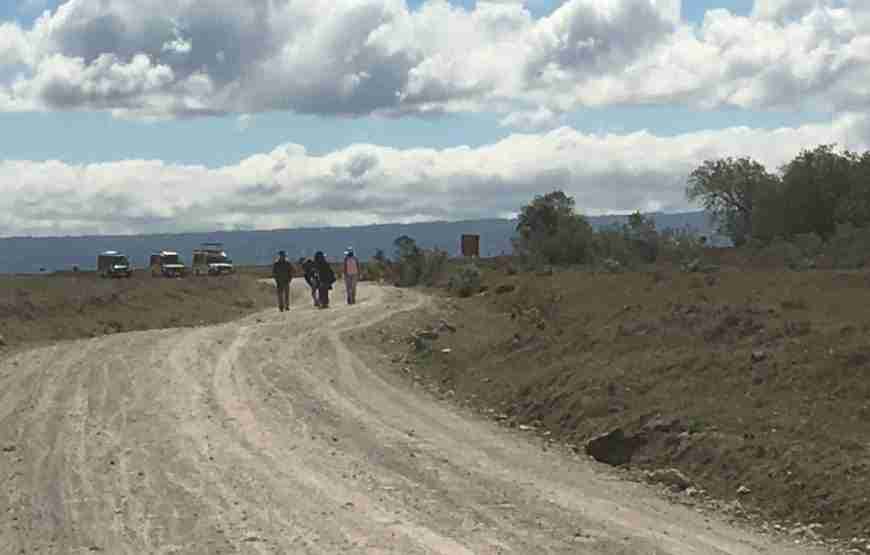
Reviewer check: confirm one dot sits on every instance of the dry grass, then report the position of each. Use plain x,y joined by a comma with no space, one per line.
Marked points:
764,371
39,309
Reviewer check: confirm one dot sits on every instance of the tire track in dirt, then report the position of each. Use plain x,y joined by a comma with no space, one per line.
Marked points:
272,435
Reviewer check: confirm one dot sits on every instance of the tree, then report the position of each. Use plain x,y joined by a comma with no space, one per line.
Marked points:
406,247
854,208
544,214
728,189
817,186
551,232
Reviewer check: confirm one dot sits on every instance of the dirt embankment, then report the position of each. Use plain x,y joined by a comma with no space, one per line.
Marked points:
752,384
41,309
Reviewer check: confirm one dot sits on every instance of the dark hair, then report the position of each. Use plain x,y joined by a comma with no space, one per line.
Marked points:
318,257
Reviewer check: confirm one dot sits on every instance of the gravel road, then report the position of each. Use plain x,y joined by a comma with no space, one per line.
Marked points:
272,435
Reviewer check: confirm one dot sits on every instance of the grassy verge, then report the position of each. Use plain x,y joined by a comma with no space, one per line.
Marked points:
40,309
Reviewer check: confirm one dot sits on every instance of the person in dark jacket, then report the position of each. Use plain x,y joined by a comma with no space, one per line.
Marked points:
309,271
282,272
325,279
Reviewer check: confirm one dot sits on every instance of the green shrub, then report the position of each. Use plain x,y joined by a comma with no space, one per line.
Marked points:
778,253
810,244
570,243
680,246
466,281
849,247
373,270
434,266
414,266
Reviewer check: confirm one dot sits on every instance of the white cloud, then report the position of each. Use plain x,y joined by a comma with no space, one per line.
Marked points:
360,57
14,46
532,120
785,9
62,82
369,184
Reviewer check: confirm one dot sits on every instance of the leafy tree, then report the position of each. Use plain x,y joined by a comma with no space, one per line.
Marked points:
816,184
854,207
728,189
406,247
544,214
551,232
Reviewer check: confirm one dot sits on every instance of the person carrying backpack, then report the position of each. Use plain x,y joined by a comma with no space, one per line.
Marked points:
309,271
351,274
325,279
282,273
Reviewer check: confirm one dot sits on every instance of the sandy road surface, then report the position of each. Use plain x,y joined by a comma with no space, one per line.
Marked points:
269,435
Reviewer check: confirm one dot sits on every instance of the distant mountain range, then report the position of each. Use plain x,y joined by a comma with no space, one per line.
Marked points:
46,254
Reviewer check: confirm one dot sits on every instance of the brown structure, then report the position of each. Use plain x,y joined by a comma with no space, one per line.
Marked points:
471,245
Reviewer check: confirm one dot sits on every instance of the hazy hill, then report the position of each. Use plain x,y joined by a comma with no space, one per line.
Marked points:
32,254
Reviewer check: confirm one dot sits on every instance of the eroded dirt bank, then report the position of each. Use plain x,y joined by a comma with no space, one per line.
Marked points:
270,435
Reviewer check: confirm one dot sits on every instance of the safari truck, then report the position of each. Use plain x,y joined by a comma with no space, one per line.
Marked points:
113,264
210,259
166,264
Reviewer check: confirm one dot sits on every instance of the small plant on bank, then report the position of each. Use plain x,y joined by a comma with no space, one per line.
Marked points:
466,281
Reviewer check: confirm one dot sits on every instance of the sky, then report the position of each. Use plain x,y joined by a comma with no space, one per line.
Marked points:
155,116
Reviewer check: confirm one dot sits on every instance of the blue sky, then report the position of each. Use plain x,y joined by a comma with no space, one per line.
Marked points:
277,115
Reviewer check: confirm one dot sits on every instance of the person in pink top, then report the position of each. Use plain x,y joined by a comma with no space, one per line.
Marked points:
351,274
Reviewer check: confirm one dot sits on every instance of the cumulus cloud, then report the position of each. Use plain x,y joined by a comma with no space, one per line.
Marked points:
532,120
370,184
14,46
361,57
785,9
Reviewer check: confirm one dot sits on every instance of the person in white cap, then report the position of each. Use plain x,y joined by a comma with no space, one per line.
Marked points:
351,274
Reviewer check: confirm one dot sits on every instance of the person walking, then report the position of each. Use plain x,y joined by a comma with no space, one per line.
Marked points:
351,274
309,271
325,279
282,273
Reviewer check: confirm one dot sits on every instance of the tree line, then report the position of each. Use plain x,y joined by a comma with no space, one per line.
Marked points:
820,197
550,231
815,193
817,200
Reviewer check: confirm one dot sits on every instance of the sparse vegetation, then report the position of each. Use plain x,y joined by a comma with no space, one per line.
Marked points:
416,266
551,232
466,281
739,387
37,309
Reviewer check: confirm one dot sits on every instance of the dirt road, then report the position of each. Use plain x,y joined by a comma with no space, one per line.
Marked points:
269,435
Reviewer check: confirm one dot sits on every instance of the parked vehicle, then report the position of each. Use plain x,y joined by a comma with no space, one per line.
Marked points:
113,264
211,259
167,264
